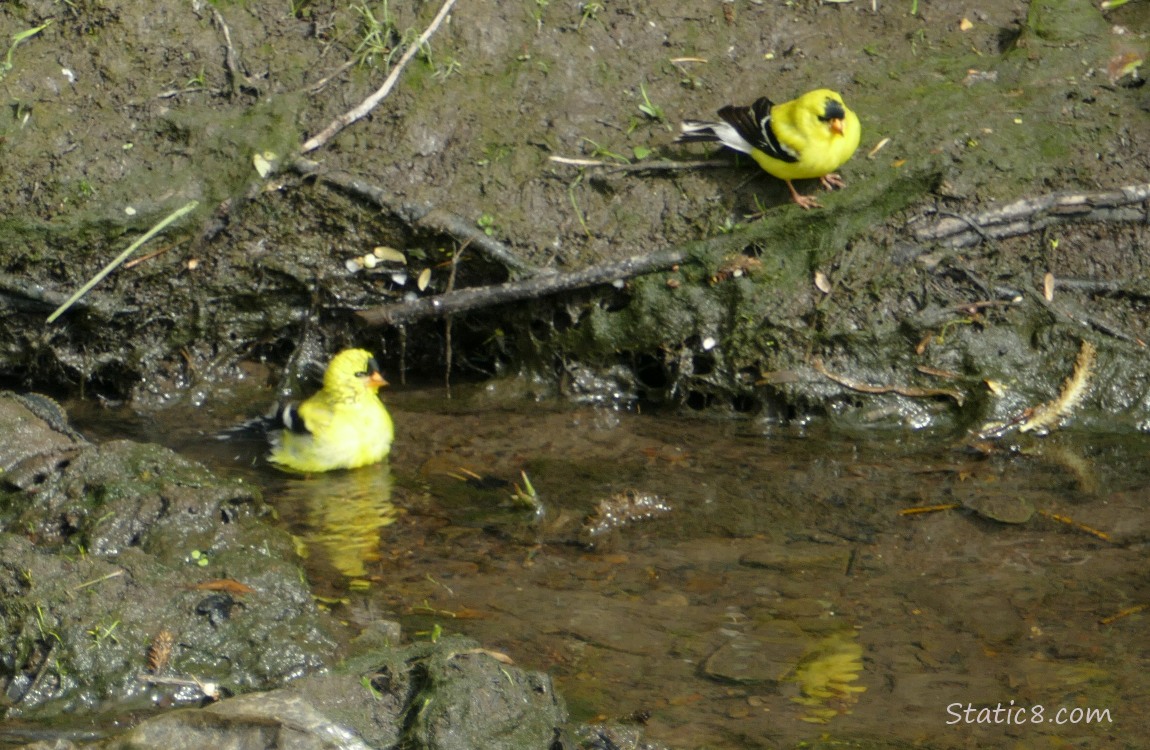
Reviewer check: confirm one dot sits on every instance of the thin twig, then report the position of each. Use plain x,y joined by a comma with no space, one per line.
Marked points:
370,102
665,165
236,76
173,216
450,319
315,88
101,579
144,258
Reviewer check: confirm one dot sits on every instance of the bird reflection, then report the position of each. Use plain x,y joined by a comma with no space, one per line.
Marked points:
344,513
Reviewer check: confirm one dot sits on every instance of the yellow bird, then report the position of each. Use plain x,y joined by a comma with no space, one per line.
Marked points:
344,426
804,138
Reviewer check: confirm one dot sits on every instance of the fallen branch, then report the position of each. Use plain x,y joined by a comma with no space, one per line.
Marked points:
902,390
473,298
419,215
1033,214
368,104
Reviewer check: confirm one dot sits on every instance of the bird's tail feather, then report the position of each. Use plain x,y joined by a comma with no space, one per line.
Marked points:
699,131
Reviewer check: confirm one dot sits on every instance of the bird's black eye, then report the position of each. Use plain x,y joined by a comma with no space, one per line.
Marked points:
361,374
834,111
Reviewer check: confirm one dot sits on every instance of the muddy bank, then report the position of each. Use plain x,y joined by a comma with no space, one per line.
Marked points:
111,126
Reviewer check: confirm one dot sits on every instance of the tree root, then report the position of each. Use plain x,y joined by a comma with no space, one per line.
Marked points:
418,215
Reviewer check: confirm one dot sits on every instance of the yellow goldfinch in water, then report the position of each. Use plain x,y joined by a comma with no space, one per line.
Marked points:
344,426
804,138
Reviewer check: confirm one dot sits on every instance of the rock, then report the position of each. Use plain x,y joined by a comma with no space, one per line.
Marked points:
765,655
120,547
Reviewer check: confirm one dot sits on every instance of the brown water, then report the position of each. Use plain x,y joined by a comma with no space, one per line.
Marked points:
782,599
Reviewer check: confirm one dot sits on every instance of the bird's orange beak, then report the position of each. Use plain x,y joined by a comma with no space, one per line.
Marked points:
837,126
375,380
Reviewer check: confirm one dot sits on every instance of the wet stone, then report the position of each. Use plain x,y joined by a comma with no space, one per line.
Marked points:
767,655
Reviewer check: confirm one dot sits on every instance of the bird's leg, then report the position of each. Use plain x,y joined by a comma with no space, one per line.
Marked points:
803,201
832,181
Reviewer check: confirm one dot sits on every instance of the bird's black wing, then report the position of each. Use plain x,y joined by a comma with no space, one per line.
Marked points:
288,418
753,123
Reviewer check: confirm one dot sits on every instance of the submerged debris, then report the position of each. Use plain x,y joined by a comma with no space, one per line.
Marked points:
1048,416
160,651
621,509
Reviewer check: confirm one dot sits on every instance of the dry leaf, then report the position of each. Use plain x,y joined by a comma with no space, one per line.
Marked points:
264,163
822,283
225,584
1048,286
424,279
878,147
389,255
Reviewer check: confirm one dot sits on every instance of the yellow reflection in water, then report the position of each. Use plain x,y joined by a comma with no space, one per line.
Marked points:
825,675
345,512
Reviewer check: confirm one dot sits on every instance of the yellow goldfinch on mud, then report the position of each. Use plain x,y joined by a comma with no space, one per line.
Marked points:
344,426
804,138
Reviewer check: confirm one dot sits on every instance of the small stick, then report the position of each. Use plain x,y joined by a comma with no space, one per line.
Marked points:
1122,613
902,390
101,579
1075,524
927,509
173,216
368,104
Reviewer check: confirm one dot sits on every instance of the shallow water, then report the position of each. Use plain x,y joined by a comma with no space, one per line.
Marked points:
782,598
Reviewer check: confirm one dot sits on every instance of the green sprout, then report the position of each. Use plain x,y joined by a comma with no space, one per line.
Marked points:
654,111
447,69
198,81
366,681
486,222
42,624
378,36
601,152
526,496
102,633
591,12
575,203
17,39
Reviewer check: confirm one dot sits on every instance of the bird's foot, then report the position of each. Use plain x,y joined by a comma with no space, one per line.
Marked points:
832,181
805,202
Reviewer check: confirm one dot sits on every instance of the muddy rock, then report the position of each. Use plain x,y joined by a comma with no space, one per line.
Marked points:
132,576
450,695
